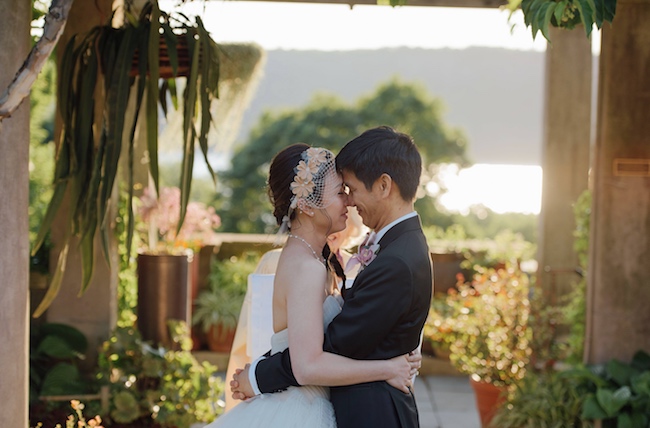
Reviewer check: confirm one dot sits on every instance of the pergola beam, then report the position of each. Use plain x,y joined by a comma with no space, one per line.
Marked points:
438,3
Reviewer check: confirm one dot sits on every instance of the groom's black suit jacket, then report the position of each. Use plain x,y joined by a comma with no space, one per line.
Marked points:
382,317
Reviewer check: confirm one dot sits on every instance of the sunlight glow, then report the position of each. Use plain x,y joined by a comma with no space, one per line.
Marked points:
501,188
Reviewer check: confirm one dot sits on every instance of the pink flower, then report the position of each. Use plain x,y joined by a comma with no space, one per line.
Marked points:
364,257
163,213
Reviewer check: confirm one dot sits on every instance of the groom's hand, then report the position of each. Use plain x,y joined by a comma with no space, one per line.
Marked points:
240,385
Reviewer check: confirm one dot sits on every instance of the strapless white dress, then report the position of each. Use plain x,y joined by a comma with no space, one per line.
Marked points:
299,407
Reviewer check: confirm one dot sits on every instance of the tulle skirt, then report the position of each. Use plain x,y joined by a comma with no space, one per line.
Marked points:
299,407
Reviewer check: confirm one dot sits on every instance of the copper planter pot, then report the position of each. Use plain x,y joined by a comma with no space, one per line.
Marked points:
164,286
488,400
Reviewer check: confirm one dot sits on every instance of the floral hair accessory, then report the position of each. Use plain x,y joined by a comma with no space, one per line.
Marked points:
314,171
366,254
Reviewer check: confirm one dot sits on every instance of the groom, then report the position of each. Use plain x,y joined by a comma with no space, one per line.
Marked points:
388,303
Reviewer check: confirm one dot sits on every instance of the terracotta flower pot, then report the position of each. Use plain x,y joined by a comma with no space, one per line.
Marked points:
220,338
488,399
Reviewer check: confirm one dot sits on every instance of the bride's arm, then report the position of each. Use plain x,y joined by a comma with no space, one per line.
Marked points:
310,364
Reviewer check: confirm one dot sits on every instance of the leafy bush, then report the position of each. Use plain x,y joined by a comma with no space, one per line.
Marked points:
55,353
155,385
222,301
542,399
615,393
485,324
618,393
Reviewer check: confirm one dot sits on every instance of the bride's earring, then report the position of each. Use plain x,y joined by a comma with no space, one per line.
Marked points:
302,207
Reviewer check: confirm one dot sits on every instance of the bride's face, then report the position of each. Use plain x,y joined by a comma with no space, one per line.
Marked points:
335,213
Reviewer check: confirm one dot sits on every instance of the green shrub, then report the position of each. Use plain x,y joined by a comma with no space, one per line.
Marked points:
155,385
617,393
542,400
221,302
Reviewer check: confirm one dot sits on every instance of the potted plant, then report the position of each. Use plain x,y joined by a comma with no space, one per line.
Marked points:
486,326
166,266
217,308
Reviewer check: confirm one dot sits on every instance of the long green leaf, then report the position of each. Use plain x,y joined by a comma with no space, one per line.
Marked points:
186,176
206,62
162,95
55,284
131,152
173,92
116,102
171,40
84,137
152,93
65,76
87,250
50,213
103,230
189,133
91,209
67,162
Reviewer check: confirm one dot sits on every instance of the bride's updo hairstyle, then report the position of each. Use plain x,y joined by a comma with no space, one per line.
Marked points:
300,173
281,175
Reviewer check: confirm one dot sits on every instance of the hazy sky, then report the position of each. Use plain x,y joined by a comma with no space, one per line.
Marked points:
276,25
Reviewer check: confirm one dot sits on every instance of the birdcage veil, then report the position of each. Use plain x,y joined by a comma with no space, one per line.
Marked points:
315,183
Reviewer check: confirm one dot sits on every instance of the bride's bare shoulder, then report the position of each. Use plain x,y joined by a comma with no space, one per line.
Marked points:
295,266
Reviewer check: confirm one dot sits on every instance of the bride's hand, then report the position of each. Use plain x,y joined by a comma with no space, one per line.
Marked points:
240,386
403,371
415,358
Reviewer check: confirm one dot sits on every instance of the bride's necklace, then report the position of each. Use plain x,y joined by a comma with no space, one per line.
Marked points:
319,258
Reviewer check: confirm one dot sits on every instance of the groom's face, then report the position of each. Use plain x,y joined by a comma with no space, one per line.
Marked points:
365,200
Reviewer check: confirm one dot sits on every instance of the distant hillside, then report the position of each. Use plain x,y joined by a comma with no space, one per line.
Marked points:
494,95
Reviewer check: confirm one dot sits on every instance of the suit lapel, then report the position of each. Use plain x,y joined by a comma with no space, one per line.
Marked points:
391,235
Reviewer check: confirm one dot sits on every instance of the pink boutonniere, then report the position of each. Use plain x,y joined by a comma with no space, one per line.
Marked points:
364,257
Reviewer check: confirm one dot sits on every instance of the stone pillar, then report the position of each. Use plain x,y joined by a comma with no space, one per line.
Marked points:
95,312
14,227
565,156
618,319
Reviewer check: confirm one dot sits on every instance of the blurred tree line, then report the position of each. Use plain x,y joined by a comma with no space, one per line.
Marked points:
327,121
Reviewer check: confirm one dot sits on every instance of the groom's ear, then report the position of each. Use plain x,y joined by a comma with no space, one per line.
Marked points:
385,183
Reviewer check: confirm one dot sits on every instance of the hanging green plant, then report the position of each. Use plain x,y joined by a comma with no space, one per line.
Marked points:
539,15
116,64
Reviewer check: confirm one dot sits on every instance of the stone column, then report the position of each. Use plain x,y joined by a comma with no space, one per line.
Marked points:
14,227
618,319
565,156
95,312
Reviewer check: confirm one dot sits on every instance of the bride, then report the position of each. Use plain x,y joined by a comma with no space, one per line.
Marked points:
310,204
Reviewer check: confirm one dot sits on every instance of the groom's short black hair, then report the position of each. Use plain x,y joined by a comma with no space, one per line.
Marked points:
383,150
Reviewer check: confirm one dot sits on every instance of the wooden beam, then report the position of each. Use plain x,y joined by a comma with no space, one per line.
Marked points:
436,3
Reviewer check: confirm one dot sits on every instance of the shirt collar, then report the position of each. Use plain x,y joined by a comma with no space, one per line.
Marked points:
386,228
